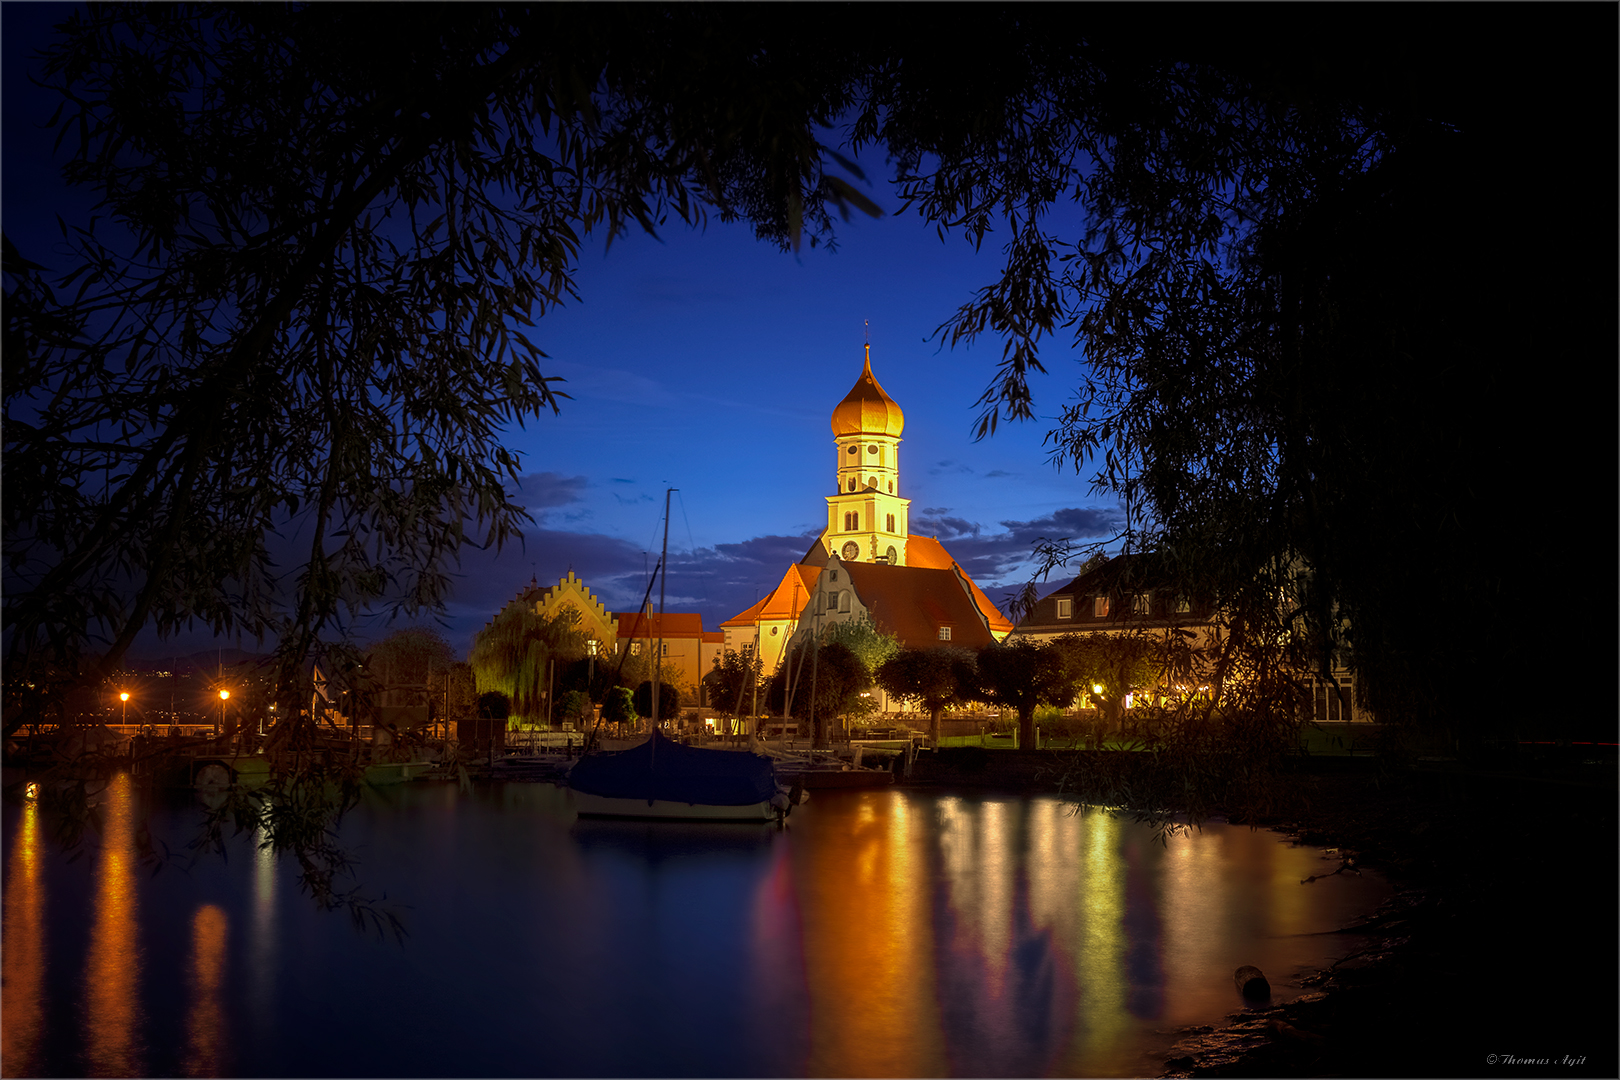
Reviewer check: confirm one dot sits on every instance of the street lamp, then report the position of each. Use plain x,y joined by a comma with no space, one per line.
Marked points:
224,696
124,697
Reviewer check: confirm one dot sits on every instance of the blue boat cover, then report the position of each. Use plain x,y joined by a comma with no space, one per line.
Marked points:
676,773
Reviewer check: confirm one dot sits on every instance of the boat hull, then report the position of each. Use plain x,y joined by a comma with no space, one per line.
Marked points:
589,805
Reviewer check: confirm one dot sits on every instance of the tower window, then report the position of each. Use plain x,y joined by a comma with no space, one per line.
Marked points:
854,449
871,481
891,487
852,483
891,523
871,449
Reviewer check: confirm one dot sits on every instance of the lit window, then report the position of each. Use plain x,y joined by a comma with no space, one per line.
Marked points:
1140,604
1065,607
944,633
1099,607
1182,605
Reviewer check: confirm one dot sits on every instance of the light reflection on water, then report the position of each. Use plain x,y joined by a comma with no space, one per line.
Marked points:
884,933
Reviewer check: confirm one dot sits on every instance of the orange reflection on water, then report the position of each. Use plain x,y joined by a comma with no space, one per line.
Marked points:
205,1027
111,1003
21,1005
868,947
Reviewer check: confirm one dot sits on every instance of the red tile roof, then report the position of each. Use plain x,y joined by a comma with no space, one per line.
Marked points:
913,602
671,624
925,551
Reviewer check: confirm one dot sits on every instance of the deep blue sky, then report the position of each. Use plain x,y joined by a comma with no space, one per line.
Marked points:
710,362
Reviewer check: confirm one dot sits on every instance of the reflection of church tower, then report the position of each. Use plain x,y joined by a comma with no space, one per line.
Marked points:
866,520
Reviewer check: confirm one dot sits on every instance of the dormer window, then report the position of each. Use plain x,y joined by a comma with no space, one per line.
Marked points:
944,633
1065,607
1099,607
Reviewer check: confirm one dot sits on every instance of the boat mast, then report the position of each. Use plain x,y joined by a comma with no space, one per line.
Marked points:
658,650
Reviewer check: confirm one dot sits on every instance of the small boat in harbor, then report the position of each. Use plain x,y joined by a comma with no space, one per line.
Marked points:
662,779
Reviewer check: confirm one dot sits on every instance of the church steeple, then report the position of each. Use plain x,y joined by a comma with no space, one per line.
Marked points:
866,520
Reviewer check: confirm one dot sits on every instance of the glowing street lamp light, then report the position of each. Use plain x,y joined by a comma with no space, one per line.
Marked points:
124,697
224,696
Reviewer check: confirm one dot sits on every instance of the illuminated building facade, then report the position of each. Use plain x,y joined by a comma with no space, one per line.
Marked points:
866,562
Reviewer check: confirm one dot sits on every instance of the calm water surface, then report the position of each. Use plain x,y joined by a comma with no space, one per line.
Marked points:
890,933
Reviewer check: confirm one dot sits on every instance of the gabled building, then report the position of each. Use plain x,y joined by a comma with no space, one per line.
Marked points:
685,644
867,561
1128,594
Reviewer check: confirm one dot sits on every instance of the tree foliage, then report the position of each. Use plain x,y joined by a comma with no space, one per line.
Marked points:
733,682
669,701
515,652
1020,674
827,683
934,679
1295,334
267,389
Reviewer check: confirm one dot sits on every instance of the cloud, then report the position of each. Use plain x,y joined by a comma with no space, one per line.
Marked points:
939,468
540,490
997,558
997,474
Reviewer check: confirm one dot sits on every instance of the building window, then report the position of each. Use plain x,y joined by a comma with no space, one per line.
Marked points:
852,483
1182,606
1140,604
1065,607
871,449
852,521
891,487
944,633
832,575
1099,607
871,482
854,449
891,523
635,648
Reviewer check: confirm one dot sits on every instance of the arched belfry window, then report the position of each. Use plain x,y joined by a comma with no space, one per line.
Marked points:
852,483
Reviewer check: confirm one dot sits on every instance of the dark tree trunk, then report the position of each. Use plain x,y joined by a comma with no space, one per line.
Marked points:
1026,727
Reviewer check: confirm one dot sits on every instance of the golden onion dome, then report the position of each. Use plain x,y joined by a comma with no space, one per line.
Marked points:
867,409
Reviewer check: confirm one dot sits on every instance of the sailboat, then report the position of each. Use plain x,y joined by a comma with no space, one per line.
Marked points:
662,778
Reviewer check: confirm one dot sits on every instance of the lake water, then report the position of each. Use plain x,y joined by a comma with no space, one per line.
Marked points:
882,933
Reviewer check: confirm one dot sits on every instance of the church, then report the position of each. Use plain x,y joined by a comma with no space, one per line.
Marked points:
866,562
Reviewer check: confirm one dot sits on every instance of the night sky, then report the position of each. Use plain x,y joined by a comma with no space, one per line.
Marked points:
709,362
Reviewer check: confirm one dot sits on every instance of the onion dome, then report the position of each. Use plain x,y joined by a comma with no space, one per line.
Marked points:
867,409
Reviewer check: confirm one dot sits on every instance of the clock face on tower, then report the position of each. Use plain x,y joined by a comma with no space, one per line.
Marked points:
851,550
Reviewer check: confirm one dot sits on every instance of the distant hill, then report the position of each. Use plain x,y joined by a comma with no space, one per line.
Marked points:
206,662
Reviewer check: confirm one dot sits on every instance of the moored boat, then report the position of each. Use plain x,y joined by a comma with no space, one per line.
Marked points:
661,778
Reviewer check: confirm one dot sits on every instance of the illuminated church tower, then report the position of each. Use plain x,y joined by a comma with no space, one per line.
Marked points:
867,519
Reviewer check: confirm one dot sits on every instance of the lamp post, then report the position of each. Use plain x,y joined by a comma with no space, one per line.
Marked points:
224,696
124,697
